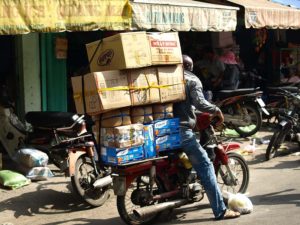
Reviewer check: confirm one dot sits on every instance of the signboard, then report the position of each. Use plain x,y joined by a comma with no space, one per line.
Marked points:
166,17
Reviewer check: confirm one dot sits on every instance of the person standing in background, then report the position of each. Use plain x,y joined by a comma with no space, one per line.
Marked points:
210,69
231,75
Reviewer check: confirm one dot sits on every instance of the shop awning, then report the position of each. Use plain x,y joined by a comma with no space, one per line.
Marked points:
182,15
263,13
24,16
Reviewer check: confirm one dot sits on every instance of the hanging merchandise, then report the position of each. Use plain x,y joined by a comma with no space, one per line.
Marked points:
260,38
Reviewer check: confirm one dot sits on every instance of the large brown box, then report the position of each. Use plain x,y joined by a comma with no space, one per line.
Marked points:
103,91
120,51
165,48
143,85
171,83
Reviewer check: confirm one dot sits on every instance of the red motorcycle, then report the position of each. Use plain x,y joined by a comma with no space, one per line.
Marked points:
146,188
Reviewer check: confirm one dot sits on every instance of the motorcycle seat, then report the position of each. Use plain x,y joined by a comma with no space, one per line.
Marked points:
50,119
222,94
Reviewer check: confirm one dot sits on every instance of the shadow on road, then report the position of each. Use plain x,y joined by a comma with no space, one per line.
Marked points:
89,221
43,201
277,198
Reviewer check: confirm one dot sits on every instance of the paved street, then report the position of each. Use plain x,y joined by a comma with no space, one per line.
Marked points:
274,190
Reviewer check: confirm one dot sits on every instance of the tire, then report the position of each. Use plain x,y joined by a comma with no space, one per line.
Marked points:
240,170
82,183
138,186
255,118
275,143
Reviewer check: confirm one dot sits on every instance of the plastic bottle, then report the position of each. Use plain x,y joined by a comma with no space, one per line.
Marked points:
185,160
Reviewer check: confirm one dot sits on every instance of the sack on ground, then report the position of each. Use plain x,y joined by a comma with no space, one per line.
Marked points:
31,157
13,180
240,203
39,173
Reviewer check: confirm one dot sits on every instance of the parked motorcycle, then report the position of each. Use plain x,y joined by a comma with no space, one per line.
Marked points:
144,189
242,109
64,138
288,127
277,101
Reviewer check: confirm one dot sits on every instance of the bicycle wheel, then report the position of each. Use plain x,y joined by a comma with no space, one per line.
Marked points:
275,143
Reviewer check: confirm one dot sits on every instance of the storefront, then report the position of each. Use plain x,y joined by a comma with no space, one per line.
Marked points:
47,55
261,31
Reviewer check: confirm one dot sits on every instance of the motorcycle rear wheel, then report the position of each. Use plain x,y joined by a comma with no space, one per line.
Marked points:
255,119
82,183
275,143
136,197
240,171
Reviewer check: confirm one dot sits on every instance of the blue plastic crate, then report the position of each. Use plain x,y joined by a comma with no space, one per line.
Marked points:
167,126
168,142
149,148
117,156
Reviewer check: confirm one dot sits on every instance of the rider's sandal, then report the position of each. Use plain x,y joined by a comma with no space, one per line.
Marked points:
230,214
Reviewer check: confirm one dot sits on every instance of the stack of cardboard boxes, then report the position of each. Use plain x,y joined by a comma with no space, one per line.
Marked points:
134,79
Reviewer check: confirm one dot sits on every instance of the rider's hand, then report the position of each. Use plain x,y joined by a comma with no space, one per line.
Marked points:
220,115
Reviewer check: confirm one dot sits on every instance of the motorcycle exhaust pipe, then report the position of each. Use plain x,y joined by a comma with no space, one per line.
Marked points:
102,182
149,210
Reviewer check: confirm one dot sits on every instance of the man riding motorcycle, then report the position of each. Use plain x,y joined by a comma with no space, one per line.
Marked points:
185,110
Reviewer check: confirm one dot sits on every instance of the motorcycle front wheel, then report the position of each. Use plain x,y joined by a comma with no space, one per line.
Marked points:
275,143
138,195
235,177
82,183
252,116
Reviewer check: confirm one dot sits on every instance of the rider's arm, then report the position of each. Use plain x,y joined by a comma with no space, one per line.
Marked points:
198,99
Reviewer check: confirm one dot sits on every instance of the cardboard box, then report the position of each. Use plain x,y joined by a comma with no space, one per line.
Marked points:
162,111
165,48
143,85
123,136
103,91
171,82
115,156
120,51
142,114
222,39
168,142
115,118
96,128
149,148
164,127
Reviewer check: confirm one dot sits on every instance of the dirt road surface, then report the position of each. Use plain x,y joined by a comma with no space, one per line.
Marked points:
274,190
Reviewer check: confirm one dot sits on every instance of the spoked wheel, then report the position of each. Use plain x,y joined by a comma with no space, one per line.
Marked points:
82,183
251,116
275,143
235,177
138,195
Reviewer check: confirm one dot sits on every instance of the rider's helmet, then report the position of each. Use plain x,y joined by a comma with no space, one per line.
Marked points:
187,62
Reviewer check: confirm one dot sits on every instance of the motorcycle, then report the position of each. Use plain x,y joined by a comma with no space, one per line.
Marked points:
242,109
65,138
288,127
277,101
146,188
